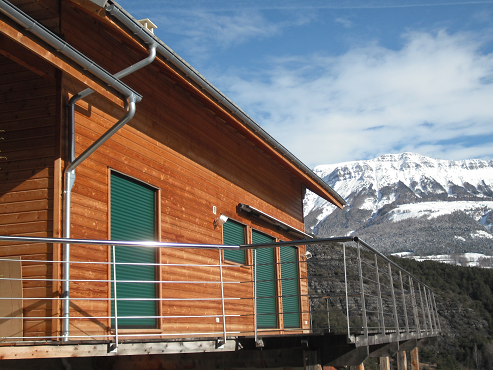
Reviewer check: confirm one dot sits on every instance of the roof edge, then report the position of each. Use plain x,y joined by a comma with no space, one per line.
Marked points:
325,190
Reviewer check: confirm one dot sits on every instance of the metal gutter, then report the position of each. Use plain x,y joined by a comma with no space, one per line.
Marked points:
134,26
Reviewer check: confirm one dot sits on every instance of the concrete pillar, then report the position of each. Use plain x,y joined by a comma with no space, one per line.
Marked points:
401,360
384,363
359,367
414,359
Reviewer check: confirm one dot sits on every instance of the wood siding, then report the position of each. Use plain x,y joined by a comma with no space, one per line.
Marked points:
28,128
181,146
179,142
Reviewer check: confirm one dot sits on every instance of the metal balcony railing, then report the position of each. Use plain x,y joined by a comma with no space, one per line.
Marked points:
346,288
357,291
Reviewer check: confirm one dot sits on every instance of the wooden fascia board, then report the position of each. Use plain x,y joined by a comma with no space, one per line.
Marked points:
36,46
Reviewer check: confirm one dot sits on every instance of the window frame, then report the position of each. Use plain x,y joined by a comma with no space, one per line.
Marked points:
247,239
158,257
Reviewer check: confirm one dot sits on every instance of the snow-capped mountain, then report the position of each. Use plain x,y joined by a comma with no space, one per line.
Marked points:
420,202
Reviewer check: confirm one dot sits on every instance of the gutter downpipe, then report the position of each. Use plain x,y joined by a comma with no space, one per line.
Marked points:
64,48
189,71
70,170
131,98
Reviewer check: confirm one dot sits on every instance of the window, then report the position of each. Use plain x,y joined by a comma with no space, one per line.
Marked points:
234,234
264,259
290,287
133,217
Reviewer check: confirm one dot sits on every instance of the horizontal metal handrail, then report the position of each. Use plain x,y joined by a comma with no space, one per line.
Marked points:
365,305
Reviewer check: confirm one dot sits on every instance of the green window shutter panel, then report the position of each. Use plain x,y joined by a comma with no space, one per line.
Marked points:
266,282
133,211
290,287
234,234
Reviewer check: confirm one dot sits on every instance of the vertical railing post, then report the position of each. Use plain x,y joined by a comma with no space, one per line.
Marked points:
311,315
396,318
255,292
345,284
423,308
362,290
115,306
436,311
66,295
380,303
328,315
415,307
428,309
404,302
222,294
432,309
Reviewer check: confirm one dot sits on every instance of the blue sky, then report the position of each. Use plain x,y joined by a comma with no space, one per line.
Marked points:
344,80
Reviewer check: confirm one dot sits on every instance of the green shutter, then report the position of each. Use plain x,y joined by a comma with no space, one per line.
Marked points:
266,282
290,287
133,218
234,234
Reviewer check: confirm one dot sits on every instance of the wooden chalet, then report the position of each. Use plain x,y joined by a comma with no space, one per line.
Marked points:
174,161
142,212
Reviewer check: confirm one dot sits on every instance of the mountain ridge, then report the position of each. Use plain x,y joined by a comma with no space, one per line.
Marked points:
397,192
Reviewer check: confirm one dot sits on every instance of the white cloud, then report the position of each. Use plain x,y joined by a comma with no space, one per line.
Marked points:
346,23
373,100
204,31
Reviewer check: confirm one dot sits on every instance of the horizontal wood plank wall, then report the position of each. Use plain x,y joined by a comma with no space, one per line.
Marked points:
27,126
187,150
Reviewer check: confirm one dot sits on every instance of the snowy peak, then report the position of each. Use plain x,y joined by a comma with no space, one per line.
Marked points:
384,193
422,176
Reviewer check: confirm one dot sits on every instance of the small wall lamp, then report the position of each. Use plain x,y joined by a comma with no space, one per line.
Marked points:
220,220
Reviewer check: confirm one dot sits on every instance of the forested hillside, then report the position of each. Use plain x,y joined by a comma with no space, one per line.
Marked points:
465,304
464,301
